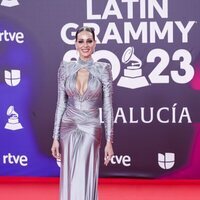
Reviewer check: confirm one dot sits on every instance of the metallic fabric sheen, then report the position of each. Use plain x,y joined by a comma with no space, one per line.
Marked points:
78,128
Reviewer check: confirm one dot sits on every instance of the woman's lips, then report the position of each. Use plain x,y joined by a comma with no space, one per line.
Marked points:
85,50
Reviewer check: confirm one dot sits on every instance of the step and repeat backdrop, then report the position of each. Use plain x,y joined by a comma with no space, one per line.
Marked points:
154,49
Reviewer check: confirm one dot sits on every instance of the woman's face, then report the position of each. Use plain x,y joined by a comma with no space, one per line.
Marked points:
85,45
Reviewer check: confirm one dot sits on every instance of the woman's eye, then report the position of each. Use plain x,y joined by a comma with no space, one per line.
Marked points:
80,42
90,41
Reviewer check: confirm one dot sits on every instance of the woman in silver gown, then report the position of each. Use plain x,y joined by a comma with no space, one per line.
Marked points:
83,87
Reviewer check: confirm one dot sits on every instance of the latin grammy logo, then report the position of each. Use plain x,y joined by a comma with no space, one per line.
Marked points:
133,73
9,3
13,121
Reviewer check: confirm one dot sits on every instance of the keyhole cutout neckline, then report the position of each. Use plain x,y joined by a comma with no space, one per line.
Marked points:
82,64
82,82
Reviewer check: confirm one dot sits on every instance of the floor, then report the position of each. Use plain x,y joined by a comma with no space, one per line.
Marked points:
109,189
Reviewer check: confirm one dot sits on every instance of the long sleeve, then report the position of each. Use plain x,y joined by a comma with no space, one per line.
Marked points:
107,102
61,100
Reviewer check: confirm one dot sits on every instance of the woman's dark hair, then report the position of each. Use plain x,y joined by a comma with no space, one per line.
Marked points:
85,28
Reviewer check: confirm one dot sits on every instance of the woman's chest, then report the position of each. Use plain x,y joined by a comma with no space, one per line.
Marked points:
83,83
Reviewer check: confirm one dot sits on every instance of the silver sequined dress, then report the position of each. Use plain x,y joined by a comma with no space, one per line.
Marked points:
78,128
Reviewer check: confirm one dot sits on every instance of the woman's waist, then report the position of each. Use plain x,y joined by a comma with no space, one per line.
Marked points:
83,105
81,116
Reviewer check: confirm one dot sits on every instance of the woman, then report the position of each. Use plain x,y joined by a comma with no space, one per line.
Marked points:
83,87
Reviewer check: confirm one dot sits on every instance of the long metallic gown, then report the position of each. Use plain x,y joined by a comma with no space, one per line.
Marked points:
78,128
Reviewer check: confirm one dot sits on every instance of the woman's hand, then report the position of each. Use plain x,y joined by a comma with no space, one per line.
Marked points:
55,149
108,153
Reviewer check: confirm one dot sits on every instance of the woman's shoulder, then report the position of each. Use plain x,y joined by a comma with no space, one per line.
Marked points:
104,70
66,66
102,66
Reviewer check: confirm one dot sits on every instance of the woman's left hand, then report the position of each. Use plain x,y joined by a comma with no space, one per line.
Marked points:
108,153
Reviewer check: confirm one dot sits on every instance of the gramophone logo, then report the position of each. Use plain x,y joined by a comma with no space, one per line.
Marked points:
9,3
13,120
13,77
133,73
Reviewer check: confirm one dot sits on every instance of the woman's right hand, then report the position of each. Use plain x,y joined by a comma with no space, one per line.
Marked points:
55,149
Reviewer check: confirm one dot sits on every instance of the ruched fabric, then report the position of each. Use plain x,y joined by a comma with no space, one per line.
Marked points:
78,128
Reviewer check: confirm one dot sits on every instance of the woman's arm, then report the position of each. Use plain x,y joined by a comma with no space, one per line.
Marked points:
108,112
60,108
61,100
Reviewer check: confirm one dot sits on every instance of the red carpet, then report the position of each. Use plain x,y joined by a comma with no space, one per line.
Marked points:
109,189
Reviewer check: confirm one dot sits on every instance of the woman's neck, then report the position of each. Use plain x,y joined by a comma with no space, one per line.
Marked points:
86,59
